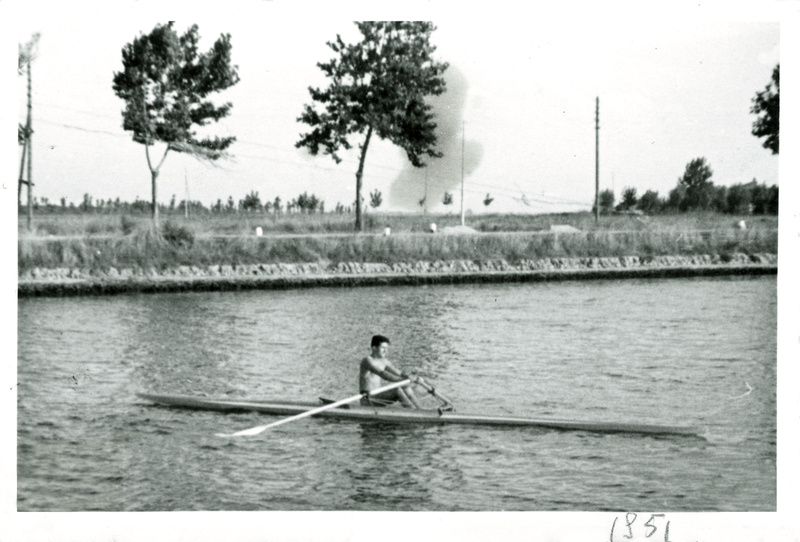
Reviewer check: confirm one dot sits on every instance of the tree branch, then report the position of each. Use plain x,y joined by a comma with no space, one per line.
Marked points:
163,158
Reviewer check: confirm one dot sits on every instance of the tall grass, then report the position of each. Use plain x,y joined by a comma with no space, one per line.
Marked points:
142,249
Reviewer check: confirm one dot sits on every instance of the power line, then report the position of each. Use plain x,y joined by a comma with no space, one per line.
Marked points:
73,127
436,181
242,141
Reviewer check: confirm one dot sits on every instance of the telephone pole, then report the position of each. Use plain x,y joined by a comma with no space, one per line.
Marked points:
597,161
462,172
29,147
425,198
186,181
27,55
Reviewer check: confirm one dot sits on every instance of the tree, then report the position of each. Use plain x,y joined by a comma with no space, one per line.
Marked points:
377,86
628,199
677,198
307,204
719,198
739,199
606,198
649,202
86,204
165,83
487,200
251,202
699,188
765,199
767,105
375,199
447,199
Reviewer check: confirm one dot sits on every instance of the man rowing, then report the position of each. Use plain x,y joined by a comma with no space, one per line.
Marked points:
375,367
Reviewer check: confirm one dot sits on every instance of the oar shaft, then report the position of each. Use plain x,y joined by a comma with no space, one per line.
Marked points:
433,392
256,430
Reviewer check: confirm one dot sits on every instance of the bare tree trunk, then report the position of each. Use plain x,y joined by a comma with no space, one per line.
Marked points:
359,175
154,185
154,175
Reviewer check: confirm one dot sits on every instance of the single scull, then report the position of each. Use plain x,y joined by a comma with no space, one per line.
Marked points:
405,415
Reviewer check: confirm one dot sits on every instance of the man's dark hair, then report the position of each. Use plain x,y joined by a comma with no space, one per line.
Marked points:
378,339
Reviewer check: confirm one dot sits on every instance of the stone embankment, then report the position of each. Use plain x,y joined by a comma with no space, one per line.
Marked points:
54,282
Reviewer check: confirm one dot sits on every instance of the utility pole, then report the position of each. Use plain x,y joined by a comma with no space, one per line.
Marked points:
186,182
22,167
29,145
425,199
26,55
462,172
597,161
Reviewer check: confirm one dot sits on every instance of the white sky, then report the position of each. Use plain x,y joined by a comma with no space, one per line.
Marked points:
671,88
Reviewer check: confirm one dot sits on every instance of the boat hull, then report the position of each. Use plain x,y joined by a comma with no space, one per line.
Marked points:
405,415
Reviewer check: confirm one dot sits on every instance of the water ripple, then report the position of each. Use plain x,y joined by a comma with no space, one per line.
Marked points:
651,351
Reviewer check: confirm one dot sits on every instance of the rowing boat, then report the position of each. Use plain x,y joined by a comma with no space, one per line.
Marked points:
405,415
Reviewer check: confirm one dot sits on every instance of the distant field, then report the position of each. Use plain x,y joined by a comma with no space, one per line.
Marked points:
102,242
245,223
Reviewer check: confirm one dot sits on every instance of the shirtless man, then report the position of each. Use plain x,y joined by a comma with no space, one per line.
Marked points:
376,367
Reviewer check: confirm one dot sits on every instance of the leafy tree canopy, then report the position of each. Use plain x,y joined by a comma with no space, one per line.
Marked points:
629,198
696,175
376,198
767,105
165,83
377,85
607,201
697,185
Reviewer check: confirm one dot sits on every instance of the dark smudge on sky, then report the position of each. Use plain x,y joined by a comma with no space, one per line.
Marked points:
444,174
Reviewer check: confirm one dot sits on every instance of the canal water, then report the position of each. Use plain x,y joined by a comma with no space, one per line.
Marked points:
678,351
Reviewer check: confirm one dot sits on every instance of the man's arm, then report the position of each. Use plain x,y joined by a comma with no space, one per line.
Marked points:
390,373
400,374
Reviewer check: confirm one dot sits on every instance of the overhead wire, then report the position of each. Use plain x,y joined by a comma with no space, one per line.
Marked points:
435,183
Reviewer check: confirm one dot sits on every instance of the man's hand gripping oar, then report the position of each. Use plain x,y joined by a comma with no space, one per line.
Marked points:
446,404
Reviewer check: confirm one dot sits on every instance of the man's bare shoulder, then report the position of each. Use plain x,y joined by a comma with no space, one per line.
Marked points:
366,361
369,363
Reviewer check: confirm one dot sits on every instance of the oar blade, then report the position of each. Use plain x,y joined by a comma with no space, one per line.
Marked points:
245,433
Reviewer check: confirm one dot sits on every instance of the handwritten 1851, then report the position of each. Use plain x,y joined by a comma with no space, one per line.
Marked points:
635,527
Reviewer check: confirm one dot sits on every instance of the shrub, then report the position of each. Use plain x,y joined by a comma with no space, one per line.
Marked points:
127,224
100,226
48,228
178,236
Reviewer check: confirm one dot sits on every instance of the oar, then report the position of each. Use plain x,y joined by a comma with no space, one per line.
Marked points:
260,428
436,394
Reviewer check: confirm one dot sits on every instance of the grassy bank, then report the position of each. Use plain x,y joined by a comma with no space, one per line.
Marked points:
140,249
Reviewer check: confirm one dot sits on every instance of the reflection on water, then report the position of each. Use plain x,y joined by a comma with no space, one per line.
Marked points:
655,351
376,487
